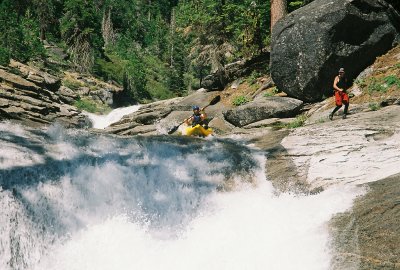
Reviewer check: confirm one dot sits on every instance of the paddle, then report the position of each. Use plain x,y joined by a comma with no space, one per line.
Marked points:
212,102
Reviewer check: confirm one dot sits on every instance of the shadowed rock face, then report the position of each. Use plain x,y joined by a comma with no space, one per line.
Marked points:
312,43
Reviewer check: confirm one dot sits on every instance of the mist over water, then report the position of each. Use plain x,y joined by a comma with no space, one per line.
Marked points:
74,200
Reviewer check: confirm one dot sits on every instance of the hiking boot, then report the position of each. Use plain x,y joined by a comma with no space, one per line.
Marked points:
344,116
330,116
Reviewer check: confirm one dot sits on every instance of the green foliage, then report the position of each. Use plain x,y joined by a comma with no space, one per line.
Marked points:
155,49
110,68
217,32
86,105
157,78
392,80
375,85
272,92
4,56
33,47
81,31
91,106
293,5
298,122
19,33
252,79
191,82
374,106
135,79
240,100
72,84
360,82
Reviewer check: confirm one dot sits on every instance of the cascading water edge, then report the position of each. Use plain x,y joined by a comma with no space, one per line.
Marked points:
103,121
74,200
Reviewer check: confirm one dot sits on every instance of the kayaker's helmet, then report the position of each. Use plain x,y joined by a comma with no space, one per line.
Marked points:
195,108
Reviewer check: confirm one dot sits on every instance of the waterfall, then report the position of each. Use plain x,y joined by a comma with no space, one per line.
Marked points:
103,121
74,200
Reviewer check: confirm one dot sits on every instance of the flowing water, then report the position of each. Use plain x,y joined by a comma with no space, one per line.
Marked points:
102,121
73,200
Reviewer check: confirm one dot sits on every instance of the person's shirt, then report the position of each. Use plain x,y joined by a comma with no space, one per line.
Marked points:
340,83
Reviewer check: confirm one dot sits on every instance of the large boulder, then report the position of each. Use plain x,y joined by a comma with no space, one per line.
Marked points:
263,108
312,43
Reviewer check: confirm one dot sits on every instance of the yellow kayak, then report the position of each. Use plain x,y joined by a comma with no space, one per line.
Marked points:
198,130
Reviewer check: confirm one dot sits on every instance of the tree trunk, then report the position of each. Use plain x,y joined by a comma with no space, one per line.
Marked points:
172,29
278,10
149,12
107,29
42,33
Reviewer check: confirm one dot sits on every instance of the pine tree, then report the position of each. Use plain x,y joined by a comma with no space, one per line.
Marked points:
278,10
80,29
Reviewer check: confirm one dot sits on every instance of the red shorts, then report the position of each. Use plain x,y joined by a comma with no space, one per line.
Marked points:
341,97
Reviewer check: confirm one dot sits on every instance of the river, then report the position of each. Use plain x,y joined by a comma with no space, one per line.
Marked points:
71,199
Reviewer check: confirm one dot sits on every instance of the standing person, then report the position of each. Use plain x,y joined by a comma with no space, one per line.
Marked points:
341,97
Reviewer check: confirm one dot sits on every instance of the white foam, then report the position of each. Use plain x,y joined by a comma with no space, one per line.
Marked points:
103,121
153,205
246,229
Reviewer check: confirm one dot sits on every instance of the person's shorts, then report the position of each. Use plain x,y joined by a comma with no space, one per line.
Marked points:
341,97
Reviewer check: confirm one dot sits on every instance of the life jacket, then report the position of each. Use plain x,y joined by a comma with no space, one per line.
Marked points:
196,120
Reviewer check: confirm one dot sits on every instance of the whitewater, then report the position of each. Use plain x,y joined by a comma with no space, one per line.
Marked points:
70,199
103,121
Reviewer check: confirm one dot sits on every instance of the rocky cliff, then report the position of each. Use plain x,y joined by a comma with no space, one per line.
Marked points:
34,96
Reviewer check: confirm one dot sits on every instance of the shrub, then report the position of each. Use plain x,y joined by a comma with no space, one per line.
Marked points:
392,80
272,92
4,56
86,105
91,106
375,85
298,122
72,84
240,100
374,106
360,82
252,79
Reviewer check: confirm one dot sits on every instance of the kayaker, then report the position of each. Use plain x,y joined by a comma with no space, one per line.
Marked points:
199,117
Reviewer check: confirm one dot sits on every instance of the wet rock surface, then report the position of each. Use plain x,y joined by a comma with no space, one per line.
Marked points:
368,236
